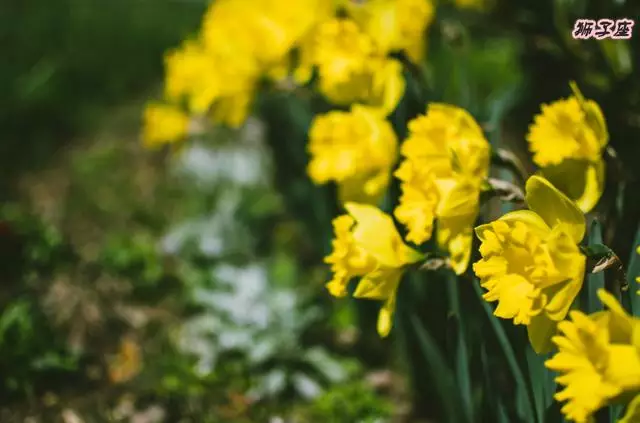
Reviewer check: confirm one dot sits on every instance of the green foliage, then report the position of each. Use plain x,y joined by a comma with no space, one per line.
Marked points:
66,60
351,402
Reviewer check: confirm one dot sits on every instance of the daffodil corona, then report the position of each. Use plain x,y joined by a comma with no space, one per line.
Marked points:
567,140
598,360
446,160
531,263
367,245
355,149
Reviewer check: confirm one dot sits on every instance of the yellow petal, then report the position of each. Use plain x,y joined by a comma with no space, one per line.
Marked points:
581,180
554,207
455,236
376,233
531,219
594,115
561,296
458,198
379,284
621,325
624,368
385,317
540,331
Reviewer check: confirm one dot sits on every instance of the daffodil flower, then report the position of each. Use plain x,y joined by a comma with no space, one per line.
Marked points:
355,149
598,359
446,159
351,67
395,25
164,124
367,245
567,140
531,263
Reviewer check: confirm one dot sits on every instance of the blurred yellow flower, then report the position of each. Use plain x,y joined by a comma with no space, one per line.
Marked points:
127,363
164,124
355,149
531,263
209,81
395,25
598,359
240,41
367,245
567,140
264,30
446,161
351,68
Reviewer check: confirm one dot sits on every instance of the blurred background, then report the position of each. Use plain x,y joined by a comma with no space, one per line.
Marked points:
151,287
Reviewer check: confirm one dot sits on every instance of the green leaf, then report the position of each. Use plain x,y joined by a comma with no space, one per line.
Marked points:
442,376
633,272
588,298
542,384
509,354
617,54
463,378
493,396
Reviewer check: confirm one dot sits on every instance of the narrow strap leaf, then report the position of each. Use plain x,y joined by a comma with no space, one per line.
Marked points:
509,354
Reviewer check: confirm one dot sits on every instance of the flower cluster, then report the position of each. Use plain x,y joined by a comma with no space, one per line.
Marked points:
242,43
529,262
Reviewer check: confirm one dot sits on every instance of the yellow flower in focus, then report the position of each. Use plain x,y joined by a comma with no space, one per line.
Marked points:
567,140
351,68
395,25
531,263
355,149
446,161
367,245
598,359
164,124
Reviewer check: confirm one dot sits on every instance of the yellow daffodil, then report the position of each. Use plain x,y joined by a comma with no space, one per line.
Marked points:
395,25
264,30
164,124
446,159
351,68
367,245
355,149
531,263
210,82
240,41
598,359
567,140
